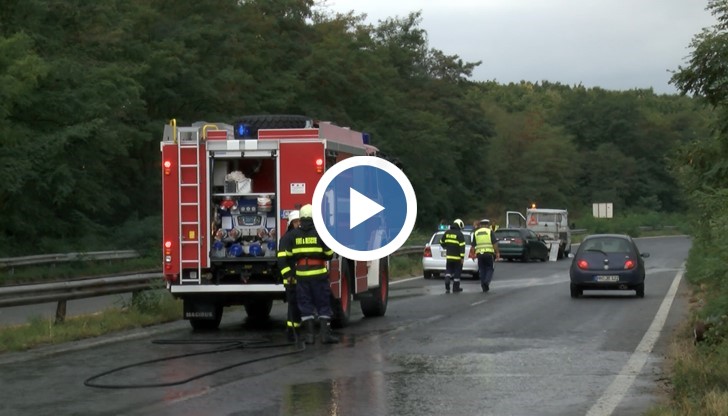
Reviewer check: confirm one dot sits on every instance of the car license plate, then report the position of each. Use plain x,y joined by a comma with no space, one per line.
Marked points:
607,278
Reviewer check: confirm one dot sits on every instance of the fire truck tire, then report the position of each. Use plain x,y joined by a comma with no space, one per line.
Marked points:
342,306
207,324
258,309
275,121
376,305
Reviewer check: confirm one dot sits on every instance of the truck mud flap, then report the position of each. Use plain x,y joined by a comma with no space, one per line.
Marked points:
194,309
203,315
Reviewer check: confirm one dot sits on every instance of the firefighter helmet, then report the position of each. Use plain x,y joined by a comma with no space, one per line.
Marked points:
306,211
485,221
459,223
293,215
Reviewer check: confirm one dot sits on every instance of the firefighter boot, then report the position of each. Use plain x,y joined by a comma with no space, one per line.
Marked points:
310,335
447,283
292,334
456,287
326,336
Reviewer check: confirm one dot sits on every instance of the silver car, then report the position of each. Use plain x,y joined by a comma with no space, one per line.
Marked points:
433,258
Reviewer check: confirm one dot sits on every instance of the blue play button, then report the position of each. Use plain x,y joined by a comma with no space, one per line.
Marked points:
364,208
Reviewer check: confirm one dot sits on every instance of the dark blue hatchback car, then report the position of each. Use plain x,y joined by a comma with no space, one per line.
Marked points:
608,262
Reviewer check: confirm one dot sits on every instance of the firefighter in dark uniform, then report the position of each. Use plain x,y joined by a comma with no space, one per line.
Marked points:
288,268
453,242
310,256
486,248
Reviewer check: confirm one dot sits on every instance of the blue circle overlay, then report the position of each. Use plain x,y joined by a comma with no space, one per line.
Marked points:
378,186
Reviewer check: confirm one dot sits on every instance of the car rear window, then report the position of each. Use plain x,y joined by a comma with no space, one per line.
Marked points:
507,233
608,245
438,235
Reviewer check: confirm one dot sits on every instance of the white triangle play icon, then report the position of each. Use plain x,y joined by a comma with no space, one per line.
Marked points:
361,208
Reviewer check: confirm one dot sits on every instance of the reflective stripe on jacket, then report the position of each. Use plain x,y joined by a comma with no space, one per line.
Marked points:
483,239
304,243
285,260
454,244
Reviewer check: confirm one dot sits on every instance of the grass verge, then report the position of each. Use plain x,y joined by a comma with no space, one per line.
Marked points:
698,373
145,309
402,267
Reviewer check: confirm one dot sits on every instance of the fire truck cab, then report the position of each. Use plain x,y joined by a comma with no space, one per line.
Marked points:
227,190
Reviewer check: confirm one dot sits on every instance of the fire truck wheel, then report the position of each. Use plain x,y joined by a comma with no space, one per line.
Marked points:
207,324
258,309
376,305
342,306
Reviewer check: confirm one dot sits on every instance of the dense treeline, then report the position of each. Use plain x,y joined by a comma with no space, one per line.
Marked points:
87,87
700,378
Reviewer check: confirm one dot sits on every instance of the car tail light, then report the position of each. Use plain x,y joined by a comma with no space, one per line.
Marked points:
517,241
428,252
472,255
629,264
582,264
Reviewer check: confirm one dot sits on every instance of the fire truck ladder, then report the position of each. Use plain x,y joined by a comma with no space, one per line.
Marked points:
188,140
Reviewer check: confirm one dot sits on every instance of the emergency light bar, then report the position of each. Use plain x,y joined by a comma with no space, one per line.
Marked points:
243,131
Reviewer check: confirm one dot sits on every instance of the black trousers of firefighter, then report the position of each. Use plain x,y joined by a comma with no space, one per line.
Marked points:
453,269
314,296
294,313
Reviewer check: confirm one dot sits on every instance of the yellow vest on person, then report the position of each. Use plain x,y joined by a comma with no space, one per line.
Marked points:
482,241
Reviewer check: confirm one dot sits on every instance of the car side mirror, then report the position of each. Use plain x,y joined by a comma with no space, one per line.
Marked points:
645,255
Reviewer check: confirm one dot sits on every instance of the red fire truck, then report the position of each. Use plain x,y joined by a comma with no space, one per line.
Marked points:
227,190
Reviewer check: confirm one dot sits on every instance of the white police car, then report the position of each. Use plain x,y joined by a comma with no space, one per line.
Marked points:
433,257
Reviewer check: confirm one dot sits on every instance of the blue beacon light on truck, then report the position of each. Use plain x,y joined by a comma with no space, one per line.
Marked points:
242,131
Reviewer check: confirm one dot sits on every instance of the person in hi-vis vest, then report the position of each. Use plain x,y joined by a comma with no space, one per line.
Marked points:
486,248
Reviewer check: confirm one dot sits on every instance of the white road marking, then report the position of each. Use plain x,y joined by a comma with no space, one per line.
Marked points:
618,388
477,303
396,282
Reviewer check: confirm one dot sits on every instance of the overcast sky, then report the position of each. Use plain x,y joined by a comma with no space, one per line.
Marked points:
612,44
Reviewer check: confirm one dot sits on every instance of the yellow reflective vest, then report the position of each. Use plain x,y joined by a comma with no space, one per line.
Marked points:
483,238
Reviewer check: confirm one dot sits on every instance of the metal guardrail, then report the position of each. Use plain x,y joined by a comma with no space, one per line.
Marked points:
33,294
10,262
403,251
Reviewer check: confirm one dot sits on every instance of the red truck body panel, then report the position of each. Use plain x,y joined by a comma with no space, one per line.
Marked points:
204,215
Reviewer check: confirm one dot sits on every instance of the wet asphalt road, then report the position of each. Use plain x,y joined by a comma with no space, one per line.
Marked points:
525,348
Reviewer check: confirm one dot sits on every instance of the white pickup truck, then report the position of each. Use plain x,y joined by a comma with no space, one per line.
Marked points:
550,223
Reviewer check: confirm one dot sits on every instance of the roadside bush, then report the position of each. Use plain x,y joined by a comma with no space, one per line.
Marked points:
405,266
142,234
